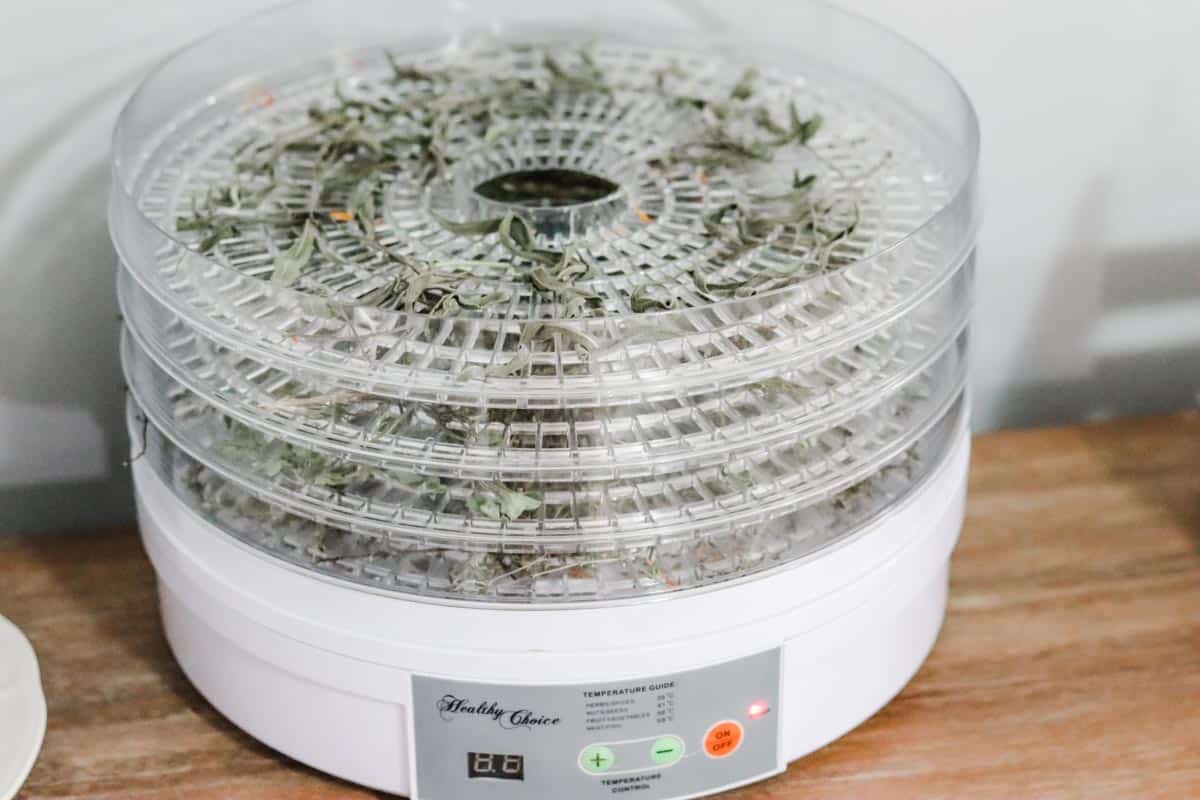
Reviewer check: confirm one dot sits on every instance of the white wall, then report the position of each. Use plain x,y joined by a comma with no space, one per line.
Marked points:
65,69
1088,297
1089,285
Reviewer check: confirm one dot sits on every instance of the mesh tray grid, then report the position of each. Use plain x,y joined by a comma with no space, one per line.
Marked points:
520,574
325,324
568,444
683,504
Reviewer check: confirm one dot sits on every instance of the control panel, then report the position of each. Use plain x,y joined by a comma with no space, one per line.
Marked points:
670,736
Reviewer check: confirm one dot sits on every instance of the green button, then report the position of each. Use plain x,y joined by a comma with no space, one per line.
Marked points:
666,750
596,758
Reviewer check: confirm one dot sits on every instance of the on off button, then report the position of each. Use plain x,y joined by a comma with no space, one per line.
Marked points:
723,739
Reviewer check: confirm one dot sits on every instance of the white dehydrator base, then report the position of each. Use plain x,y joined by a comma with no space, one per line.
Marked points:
322,670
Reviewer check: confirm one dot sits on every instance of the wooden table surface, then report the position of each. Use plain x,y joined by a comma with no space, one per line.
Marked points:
1069,665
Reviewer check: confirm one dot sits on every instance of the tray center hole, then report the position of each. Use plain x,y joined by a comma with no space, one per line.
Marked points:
547,188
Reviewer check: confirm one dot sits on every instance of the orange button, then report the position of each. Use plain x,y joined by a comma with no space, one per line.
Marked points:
723,739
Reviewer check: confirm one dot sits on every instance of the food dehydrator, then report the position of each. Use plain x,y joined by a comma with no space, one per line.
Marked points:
535,399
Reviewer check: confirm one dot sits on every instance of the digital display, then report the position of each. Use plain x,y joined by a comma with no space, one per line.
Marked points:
496,765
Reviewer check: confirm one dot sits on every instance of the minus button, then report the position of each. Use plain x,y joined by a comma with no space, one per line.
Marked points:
666,750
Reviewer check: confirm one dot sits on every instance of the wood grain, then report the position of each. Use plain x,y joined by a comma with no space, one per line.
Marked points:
1069,665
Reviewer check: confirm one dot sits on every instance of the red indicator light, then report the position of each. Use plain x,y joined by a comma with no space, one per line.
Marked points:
758,709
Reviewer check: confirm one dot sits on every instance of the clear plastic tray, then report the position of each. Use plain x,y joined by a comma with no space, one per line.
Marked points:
532,573
675,433
906,168
686,503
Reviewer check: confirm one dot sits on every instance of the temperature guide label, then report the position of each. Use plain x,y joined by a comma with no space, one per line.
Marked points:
669,736
608,709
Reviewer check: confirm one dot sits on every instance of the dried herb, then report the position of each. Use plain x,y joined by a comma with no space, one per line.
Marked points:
348,151
523,575
290,263
500,503
586,78
351,148
651,298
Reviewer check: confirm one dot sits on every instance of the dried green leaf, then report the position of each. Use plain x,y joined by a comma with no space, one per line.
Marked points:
328,250
763,119
519,361
545,280
361,205
513,503
642,299
706,287
546,331
588,78
744,89
803,183
485,505
405,72
499,503
481,301
714,224
290,263
803,129
481,227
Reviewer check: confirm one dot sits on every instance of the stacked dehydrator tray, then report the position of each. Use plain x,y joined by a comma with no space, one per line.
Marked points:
548,400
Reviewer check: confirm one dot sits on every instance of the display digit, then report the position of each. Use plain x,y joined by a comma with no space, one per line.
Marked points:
496,765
